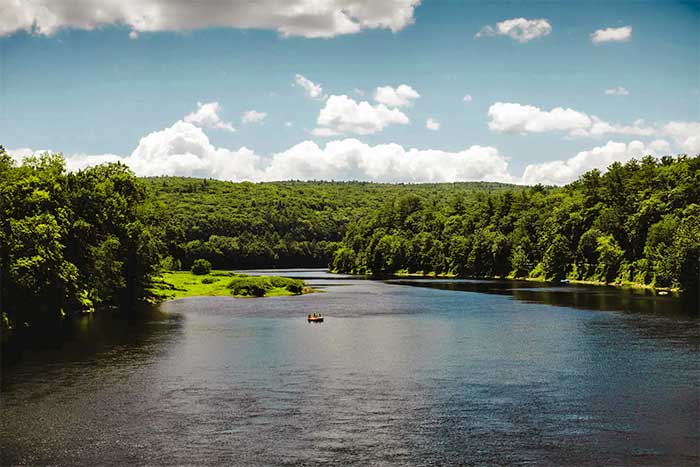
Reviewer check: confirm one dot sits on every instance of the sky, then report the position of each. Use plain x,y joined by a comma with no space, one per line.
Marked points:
392,91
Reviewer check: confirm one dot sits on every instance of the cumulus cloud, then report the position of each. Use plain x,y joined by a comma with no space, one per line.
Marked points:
342,114
432,124
253,116
400,96
519,29
182,149
19,154
350,159
622,34
618,91
185,150
305,18
467,98
311,89
560,172
686,134
207,116
518,118
601,128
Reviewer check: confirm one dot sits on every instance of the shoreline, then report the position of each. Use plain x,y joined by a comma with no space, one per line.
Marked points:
622,285
174,285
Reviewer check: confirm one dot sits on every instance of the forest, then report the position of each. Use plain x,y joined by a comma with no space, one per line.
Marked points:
270,225
72,242
638,224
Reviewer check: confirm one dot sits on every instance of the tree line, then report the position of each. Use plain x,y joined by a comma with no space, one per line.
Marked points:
268,225
637,223
74,241
70,242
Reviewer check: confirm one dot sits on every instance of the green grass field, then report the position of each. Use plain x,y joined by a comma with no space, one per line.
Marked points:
179,284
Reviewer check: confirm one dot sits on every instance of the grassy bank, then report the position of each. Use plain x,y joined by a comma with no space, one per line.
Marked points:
179,284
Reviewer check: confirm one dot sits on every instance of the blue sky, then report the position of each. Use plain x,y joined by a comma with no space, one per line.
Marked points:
98,92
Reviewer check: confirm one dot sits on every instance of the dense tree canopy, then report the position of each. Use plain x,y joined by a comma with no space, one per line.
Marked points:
73,241
70,241
638,223
265,225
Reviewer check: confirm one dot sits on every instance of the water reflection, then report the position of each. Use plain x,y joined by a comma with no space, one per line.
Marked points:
576,296
397,375
102,339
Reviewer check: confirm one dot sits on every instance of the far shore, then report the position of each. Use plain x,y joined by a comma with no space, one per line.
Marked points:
620,285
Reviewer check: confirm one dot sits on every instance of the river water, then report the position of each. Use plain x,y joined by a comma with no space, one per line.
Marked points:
404,372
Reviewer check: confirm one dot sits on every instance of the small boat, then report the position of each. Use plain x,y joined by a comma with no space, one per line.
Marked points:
315,318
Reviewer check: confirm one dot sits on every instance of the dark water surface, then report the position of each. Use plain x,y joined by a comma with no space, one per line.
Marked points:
406,372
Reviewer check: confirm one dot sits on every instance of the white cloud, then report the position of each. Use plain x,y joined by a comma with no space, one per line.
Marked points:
618,91
133,35
350,159
19,154
80,161
467,98
207,116
660,147
560,172
622,34
519,29
289,17
602,128
432,124
185,150
324,132
342,114
686,134
518,118
182,149
253,116
359,92
288,124
311,89
400,96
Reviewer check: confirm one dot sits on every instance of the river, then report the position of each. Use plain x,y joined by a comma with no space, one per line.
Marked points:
402,372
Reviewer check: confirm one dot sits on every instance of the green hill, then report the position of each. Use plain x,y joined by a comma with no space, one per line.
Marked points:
279,224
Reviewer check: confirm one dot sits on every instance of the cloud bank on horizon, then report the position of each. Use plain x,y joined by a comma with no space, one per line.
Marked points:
185,150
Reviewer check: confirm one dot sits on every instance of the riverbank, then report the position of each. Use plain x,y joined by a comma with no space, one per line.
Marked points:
621,285
172,285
